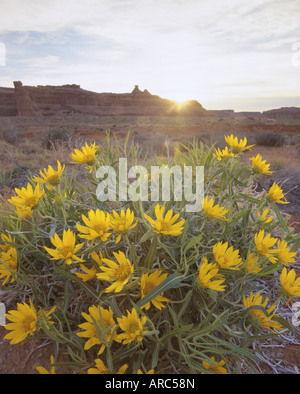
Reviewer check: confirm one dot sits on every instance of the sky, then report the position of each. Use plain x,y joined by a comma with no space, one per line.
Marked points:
226,54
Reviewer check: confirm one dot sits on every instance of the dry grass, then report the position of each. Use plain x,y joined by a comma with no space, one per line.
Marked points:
287,155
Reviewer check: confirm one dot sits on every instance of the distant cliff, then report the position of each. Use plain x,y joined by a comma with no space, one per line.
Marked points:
278,114
282,113
67,99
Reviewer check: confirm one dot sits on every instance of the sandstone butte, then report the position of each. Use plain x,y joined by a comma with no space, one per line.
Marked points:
68,99
72,99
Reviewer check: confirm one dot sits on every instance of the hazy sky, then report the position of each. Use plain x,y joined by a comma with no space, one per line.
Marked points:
227,54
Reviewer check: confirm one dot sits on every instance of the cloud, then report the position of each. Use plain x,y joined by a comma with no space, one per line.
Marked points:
37,63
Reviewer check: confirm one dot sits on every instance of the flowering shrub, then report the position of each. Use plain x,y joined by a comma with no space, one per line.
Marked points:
143,287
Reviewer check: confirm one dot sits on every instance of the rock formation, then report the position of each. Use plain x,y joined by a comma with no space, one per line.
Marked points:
67,99
277,114
8,106
283,113
25,105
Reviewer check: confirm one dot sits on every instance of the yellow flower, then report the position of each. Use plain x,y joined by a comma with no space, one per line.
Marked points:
165,225
102,369
24,322
43,371
264,217
8,263
86,155
7,240
148,283
90,273
58,199
122,223
283,253
263,245
275,194
260,166
215,367
25,212
132,327
258,315
289,283
116,273
208,272
226,257
236,145
98,258
150,372
223,154
104,319
214,211
252,265
98,225
27,197
50,176
65,248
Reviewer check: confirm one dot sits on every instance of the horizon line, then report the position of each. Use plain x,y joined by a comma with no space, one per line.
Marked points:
136,85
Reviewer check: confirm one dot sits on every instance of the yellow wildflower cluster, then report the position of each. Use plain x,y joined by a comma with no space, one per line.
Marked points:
145,286
235,147
8,259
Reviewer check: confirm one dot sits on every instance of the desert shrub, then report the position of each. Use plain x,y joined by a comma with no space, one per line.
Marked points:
297,144
270,139
15,177
29,148
277,164
155,145
129,286
292,140
3,178
10,135
54,138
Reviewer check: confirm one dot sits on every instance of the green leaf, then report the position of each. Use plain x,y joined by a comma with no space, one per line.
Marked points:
193,242
249,198
284,323
170,282
235,349
88,289
151,252
146,236
155,354
259,307
114,306
280,218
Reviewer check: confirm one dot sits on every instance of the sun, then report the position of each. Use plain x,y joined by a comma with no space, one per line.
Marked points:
181,104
